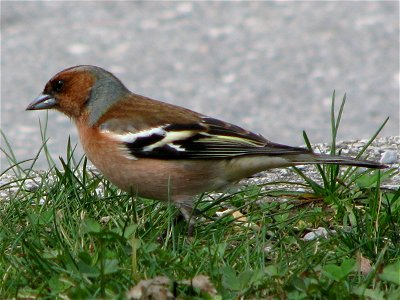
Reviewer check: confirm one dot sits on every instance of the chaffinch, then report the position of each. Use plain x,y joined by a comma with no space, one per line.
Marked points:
162,151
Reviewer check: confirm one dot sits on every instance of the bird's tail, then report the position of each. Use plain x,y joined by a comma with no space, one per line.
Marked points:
335,159
246,166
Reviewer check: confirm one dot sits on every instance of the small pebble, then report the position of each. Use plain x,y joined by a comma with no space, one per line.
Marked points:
319,232
31,186
389,157
268,249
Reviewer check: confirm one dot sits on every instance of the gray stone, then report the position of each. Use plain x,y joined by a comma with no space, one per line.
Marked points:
389,157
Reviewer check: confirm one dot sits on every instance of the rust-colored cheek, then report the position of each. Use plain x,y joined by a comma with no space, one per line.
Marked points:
72,101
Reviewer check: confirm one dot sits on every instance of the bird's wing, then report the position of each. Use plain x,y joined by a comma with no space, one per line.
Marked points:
207,139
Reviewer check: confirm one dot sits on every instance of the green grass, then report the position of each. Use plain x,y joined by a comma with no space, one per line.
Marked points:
77,236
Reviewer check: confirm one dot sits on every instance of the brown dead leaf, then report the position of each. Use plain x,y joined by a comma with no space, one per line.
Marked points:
364,264
202,283
157,288
239,218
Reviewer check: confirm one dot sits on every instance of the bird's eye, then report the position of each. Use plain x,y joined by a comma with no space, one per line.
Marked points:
58,85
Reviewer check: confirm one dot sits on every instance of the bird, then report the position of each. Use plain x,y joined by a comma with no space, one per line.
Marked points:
161,151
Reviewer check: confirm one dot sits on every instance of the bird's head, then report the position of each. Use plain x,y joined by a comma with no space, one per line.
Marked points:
80,89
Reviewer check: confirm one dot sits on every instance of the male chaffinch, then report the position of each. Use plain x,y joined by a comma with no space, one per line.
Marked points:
162,151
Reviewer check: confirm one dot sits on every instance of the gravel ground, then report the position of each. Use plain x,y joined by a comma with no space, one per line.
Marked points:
268,66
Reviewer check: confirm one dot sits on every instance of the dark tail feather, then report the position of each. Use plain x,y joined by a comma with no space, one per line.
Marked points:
336,159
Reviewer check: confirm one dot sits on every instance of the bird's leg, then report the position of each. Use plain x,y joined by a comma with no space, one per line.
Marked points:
184,217
188,212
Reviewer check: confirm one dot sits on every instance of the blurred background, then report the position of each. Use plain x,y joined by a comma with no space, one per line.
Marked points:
270,67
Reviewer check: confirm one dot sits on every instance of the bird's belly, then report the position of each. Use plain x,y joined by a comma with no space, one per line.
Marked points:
154,178
162,180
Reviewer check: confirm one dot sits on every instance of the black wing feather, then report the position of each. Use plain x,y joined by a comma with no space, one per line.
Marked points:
211,139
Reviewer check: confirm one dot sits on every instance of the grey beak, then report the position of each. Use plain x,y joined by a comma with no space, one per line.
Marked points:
43,101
